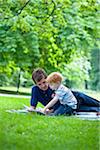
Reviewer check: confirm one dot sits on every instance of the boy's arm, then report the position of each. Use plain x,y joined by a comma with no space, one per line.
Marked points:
51,103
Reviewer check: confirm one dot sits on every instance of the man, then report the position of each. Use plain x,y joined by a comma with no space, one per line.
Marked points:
42,93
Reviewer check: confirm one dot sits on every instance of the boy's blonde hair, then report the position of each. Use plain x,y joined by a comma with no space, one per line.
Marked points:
54,77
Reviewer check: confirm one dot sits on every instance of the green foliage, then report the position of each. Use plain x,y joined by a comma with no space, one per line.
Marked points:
77,72
48,34
95,72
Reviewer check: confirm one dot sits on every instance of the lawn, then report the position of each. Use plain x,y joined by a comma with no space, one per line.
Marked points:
35,132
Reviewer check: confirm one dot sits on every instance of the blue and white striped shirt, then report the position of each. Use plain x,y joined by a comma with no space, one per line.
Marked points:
65,96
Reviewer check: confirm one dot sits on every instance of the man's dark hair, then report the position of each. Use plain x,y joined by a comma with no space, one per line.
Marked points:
38,74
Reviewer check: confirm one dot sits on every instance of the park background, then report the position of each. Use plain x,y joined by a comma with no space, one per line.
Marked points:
61,35
56,35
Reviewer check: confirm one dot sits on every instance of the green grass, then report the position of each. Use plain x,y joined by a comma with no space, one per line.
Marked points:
35,132
11,88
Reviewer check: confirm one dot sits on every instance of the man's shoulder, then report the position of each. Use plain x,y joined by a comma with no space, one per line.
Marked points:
35,90
35,87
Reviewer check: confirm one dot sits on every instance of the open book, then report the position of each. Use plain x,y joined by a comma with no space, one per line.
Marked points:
37,110
27,109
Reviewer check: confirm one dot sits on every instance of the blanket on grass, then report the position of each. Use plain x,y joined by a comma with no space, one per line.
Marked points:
82,115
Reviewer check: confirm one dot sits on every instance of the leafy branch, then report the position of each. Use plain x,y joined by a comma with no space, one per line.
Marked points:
51,12
19,12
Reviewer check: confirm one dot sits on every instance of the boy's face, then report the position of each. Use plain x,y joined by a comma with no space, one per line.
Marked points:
53,86
42,84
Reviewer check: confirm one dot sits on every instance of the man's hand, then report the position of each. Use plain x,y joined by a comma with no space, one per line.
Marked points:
31,108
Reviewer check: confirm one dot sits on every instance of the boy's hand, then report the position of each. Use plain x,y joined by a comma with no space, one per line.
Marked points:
43,110
47,111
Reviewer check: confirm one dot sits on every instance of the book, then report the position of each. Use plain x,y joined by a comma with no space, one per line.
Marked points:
27,109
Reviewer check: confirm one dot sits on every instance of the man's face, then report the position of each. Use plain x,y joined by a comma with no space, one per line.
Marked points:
42,84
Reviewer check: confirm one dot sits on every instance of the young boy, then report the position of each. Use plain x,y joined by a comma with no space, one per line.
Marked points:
62,94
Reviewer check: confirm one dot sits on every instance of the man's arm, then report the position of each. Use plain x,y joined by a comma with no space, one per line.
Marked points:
50,104
34,98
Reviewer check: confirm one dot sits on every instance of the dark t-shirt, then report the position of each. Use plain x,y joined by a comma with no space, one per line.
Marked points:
41,96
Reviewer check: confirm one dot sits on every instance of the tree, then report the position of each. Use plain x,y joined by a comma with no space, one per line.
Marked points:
95,73
49,34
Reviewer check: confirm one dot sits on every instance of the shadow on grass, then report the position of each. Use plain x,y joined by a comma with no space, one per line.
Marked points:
13,92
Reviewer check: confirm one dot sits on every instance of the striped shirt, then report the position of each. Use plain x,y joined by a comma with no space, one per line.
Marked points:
65,96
